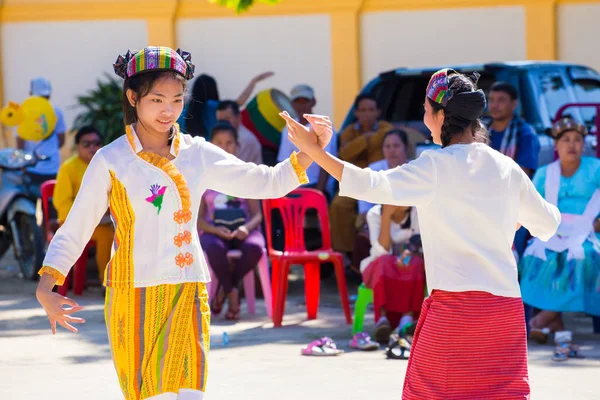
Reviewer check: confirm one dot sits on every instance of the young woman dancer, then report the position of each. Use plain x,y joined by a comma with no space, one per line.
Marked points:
470,340
152,179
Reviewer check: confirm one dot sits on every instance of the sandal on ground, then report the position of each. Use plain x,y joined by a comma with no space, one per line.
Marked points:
321,347
399,348
561,352
382,331
233,315
362,341
217,302
574,352
540,336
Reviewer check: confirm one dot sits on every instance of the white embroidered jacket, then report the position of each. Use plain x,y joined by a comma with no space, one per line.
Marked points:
154,206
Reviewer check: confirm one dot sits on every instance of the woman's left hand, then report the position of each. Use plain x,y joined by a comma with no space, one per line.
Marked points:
302,137
322,127
240,233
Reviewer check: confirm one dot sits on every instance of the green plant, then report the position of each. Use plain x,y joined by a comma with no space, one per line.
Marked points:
241,5
102,109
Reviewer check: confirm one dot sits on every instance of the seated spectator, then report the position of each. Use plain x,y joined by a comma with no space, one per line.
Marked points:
509,134
361,145
228,223
395,144
394,269
563,274
249,148
68,181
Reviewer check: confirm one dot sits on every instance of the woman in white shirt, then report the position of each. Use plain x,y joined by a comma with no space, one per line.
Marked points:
470,341
152,179
394,269
394,148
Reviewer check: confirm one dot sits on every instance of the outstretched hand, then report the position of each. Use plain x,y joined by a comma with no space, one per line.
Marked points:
53,305
303,138
322,127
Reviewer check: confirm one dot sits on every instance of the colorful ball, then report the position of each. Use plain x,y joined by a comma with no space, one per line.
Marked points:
35,119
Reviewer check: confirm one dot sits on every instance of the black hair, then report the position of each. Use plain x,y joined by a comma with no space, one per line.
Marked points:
229,104
224,126
362,97
455,125
398,132
86,130
406,224
204,89
141,84
506,88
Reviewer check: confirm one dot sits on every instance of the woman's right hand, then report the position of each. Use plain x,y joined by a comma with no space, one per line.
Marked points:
223,233
53,305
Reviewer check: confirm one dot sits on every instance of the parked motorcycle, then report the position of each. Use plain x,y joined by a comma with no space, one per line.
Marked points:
18,222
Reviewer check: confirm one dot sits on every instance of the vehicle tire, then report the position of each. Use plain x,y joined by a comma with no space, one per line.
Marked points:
31,254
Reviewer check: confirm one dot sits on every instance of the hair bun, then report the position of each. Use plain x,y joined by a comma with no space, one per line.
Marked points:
474,77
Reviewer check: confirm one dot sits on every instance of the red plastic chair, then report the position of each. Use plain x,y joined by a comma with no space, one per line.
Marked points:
47,191
78,273
293,210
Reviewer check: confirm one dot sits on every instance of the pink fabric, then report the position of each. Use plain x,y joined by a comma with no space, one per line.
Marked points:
397,289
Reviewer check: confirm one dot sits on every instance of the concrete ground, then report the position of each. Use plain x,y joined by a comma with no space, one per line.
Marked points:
260,362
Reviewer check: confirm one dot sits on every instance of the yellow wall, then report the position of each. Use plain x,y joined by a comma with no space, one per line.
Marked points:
161,16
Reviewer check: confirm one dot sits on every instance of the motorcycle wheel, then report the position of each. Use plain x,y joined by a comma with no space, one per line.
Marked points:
31,254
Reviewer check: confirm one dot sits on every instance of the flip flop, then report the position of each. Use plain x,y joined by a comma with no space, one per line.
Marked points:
322,348
362,341
561,352
399,349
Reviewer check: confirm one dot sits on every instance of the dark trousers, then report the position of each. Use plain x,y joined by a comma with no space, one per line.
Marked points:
216,251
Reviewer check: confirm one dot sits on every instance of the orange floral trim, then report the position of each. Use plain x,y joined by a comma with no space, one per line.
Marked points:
169,168
130,138
182,217
185,237
184,260
300,172
60,278
176,140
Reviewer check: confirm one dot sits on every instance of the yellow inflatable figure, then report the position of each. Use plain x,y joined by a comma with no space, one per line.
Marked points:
35,118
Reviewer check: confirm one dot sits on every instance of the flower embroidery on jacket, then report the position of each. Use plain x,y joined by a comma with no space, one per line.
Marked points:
185,237
182,217
158,192
183,260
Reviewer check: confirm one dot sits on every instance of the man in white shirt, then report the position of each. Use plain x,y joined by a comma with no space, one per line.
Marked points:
303,100
50,147
250,149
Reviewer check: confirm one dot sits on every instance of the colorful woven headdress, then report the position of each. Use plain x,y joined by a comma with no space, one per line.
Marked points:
154,58
438,88
567,124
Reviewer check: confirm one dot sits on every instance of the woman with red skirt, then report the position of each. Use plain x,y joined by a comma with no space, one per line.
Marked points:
470,340
394,269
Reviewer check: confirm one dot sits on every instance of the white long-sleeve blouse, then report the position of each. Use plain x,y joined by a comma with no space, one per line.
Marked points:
154,205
